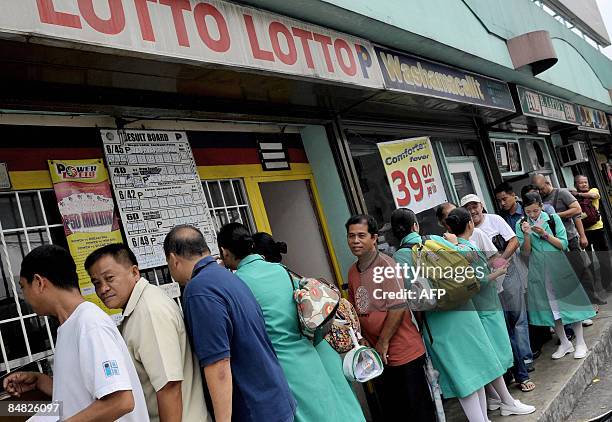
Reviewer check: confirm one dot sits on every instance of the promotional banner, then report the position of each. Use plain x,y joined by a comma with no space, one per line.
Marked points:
406,73
593,120
198,31
86,205
537,104
413,173
157,187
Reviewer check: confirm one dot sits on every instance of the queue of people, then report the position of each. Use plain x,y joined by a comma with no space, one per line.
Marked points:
235,350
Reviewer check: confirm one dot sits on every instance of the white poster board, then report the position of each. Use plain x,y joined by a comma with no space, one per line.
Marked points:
156,187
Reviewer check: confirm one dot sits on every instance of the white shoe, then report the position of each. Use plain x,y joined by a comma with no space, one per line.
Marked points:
517,409
581,351
493,404
562,351
587,322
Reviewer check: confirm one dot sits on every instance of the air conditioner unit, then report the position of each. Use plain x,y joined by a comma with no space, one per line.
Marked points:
573,153
536,155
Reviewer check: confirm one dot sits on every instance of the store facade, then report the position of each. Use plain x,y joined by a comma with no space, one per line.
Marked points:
235,80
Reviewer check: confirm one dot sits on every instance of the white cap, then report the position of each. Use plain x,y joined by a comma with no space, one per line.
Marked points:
469,198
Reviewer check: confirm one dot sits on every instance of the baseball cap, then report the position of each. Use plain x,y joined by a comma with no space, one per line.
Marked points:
469,198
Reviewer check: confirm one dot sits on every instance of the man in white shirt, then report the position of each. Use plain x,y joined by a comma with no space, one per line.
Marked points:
513,294
94,377
154,331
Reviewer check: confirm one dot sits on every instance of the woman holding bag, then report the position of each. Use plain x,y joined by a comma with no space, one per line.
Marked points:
314,375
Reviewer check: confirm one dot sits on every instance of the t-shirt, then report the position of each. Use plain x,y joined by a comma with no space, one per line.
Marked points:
599,225
484,243
372,301
224,320
92,361
154,331
563,201
493,225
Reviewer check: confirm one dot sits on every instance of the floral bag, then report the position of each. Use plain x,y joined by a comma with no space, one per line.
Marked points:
339,335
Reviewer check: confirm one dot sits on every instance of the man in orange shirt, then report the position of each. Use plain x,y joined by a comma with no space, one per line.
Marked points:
386,322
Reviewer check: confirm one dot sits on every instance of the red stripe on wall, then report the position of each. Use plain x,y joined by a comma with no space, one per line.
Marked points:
24,159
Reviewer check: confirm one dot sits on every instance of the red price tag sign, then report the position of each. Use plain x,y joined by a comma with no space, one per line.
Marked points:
412,173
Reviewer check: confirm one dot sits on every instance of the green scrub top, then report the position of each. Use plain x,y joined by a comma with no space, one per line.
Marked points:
314,375
461,350
549,263
489,307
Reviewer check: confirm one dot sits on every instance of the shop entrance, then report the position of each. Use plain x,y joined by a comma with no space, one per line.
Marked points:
293,219
468,178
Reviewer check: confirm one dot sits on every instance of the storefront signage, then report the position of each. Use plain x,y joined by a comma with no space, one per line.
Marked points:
536,104
87,208
593,120
412,172
402,72
199,31
157,187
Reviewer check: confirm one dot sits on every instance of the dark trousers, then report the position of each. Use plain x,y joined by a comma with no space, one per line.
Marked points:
598,246
403,393
582,270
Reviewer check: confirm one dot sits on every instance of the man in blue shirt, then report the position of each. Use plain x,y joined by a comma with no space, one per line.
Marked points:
227,331
512,209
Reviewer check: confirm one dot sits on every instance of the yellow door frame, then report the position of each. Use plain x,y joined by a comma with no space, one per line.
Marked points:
253,174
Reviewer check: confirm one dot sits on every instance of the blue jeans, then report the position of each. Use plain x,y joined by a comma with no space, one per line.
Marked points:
515,311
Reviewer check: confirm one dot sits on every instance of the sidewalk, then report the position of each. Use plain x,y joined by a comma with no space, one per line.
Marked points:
559,384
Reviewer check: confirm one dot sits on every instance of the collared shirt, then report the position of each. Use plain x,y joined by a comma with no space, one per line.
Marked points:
512,219
374,293
154,331
225,321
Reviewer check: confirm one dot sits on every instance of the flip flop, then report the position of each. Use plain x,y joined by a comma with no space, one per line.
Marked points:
527,386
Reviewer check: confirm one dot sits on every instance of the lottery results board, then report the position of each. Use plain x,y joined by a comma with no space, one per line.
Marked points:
156,187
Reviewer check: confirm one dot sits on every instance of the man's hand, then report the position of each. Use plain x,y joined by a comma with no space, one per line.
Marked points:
382,347
584,242
21,382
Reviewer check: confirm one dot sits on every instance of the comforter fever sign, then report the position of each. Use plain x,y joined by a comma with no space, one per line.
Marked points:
198,31
413,173
87,208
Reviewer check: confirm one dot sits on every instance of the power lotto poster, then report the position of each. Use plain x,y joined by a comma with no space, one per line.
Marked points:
86,205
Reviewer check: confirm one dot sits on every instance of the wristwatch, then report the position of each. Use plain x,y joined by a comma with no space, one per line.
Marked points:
545,236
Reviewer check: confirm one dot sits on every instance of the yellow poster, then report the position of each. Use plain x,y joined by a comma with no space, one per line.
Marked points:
87,208
413,174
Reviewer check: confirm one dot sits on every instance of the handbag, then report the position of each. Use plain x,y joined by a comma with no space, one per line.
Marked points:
339,335
362,363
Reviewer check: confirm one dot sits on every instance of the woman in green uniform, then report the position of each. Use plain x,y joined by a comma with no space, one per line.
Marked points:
554,294
457,342
320,389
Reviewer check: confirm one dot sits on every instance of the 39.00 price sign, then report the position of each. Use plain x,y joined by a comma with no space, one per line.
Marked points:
412,173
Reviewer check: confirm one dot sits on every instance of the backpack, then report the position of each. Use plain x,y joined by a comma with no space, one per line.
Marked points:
592,214
436,259
316,302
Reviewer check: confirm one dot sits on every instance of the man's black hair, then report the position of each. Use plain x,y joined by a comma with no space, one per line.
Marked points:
120,253
185,241
52,262
504,187
528,188
363,219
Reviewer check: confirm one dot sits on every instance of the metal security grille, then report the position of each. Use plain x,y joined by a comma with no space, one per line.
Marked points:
27,219
228,202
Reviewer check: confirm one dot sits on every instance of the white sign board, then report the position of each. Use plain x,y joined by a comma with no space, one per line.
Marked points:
156,187
413,174
192,30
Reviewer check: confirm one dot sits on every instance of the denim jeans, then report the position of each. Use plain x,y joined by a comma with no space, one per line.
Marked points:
515,311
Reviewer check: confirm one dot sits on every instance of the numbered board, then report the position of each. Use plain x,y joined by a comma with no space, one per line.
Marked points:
413,174
156,187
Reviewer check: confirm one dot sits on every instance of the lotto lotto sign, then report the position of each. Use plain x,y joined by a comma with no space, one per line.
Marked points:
413,173
198,31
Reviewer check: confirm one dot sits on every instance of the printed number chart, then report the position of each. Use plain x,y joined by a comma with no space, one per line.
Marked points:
156,187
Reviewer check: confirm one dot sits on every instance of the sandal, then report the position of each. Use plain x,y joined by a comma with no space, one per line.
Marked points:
527,386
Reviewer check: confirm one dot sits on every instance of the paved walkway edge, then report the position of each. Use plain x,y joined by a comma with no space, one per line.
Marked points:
565,401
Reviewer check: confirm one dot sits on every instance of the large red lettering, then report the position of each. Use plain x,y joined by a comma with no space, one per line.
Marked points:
276,28
325,42
304,36
177,7
199,14
48,14
258,53
111,26
144,19
351,68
